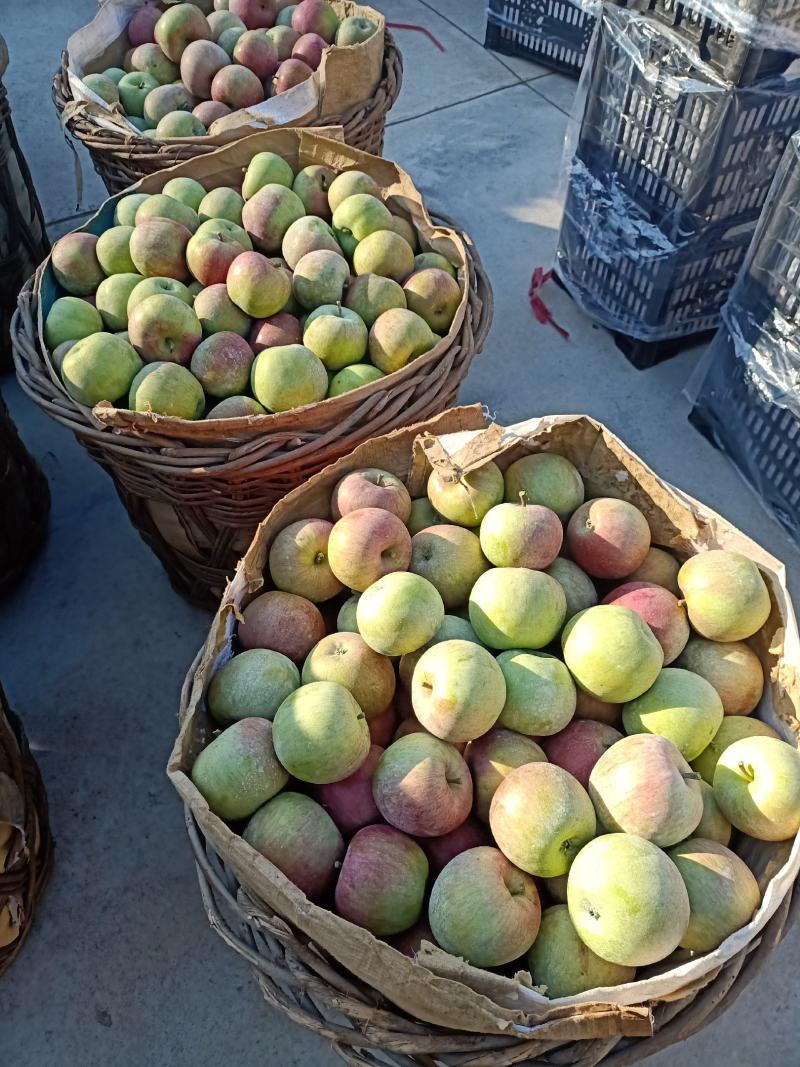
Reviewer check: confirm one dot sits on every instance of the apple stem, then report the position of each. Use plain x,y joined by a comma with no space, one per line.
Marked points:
339,308
747,770
320,557
691,776
523,498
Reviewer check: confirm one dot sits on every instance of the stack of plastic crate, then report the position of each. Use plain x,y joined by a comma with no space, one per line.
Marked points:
555,33
684,122
746,390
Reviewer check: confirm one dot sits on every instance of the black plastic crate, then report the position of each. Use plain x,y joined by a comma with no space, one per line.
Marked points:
555,33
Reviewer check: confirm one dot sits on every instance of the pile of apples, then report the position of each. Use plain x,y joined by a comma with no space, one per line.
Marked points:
184,71
228,302
451,709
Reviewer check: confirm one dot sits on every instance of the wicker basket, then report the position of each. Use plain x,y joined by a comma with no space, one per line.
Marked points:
122,158
371,1002
26,869
25,503
196,494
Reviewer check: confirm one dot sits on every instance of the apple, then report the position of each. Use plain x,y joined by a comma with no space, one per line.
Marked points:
275,332
546,479
268,214
642,785
103,87
349,802
371,488
228,38
223,19
422,786
468,499
187,190
316,16
207,112
142,24
166,388
578,587
660,568
354,30
239,771
200,63
399,613
255,14
757,787
160,206
158,249
484,909
221,204
111,299
608,538
660,609
680,706
423,516
370,295
713,825
521,535
236,86
321,733
158,287
383,726
336,335
541,818
256,286
149,59
433,259
217,313
435,296
99,367
731,667
127,206
382,882
492,757
348,183
164,100
288,377
311,185
133,89
579,746
308,234
612,653
440,850
452,628
367,544
386,253
319,278
227,229
290,73
178,27
164,329
256,51
360,215
298,837
75,263
282,622
308,48
353,377
347,659
732,729
726,597
209,257
253,684
513,607
221,363
397,337
589,707
235,407
284,37
115,74
70,319
458,690
561,963
450,558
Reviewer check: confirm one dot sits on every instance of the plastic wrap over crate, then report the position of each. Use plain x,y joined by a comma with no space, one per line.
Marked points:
745,392
763,23
553,32
666,170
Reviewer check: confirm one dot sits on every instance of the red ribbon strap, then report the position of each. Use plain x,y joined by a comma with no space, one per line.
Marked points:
538,306
417,29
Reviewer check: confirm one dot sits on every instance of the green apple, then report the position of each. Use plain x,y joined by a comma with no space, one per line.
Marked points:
349,183
397,337
239,771
732,728
70,319
546,479
540,694
353,377
164,388
254,683
399,613
680,706
757,787
513,607
726,597
561,963
320,733
612,653
458,690
99,367
133,89
111,299
113,250
336,335
187,190
266,168
287,377
466,500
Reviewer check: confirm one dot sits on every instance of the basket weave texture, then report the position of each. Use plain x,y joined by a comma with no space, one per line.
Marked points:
30,859
122,158
24,503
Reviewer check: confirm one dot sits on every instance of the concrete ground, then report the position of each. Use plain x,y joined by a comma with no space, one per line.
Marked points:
122,967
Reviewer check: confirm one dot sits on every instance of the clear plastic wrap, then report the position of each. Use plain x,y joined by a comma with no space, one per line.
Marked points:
667,168
773,24
554,32
745,392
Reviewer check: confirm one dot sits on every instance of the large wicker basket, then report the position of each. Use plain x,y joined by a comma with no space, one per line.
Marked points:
24,503
197,494
122,158
29,861
377,1006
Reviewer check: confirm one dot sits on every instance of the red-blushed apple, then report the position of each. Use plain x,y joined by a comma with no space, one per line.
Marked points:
308,48
217,313
209,258
399,613
540,694
256,286
440,850
149,59
546,479
422,786
164,329
257,52
321,733
254,683
255,14
757,787
221,363
450,557
308,234
589,707
276,331
371,488
642,785
200,62
521,535
208,111
561,963
366,544
382,727
311,185
611,653
541,817
178,26
457,690
733,728
283,622
381,885
726,597
680,706
349,802
435,296
161,206
221,203
298,837
298,561
661,568
579,746
369,296
662,612
484,909
266,168
514,607
291,72
346,658
268,214
239,771
237,87
142,25
492,757
732,667
608,538
316,16
158,249
75,264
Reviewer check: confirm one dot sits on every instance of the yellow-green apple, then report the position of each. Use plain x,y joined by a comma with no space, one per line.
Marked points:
381,885
253,684
440,850
311,184
221,204
358,216
541,817
127,206
178,27
336,335
349,802
369,296
221,363
236,86
282,622
225,228
400,612
713,825
346,658
612,653
179,124
284,37
467,500
308,234
546,479
732,729
149,59
200,62
732,667
256,286
75,263
158,287
723,894
275,331
353,30
133,89
484,909
402,226
627,900
578,587
163,388
435,296
492,757
521,535
165,99
187,190
158,249
111,300
458,690
103,87
423,515
579,746
319,277
513,607
160,206
228,38
367,544
370,488
422,786
451,628
660,609
236,407
115,74
216,312
164,329
608,538
540,694
757,785
386,253
348,183
209,257
397,337
426,260
561,963
143,23
450,558
298,561
642,785
382,727
255,14
239,771
660,568
316,16
725,595
256,51
680,706
99,367
223,19
353,377
290,73
70,319
308,48
298,837
208,111
288,377
321,733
